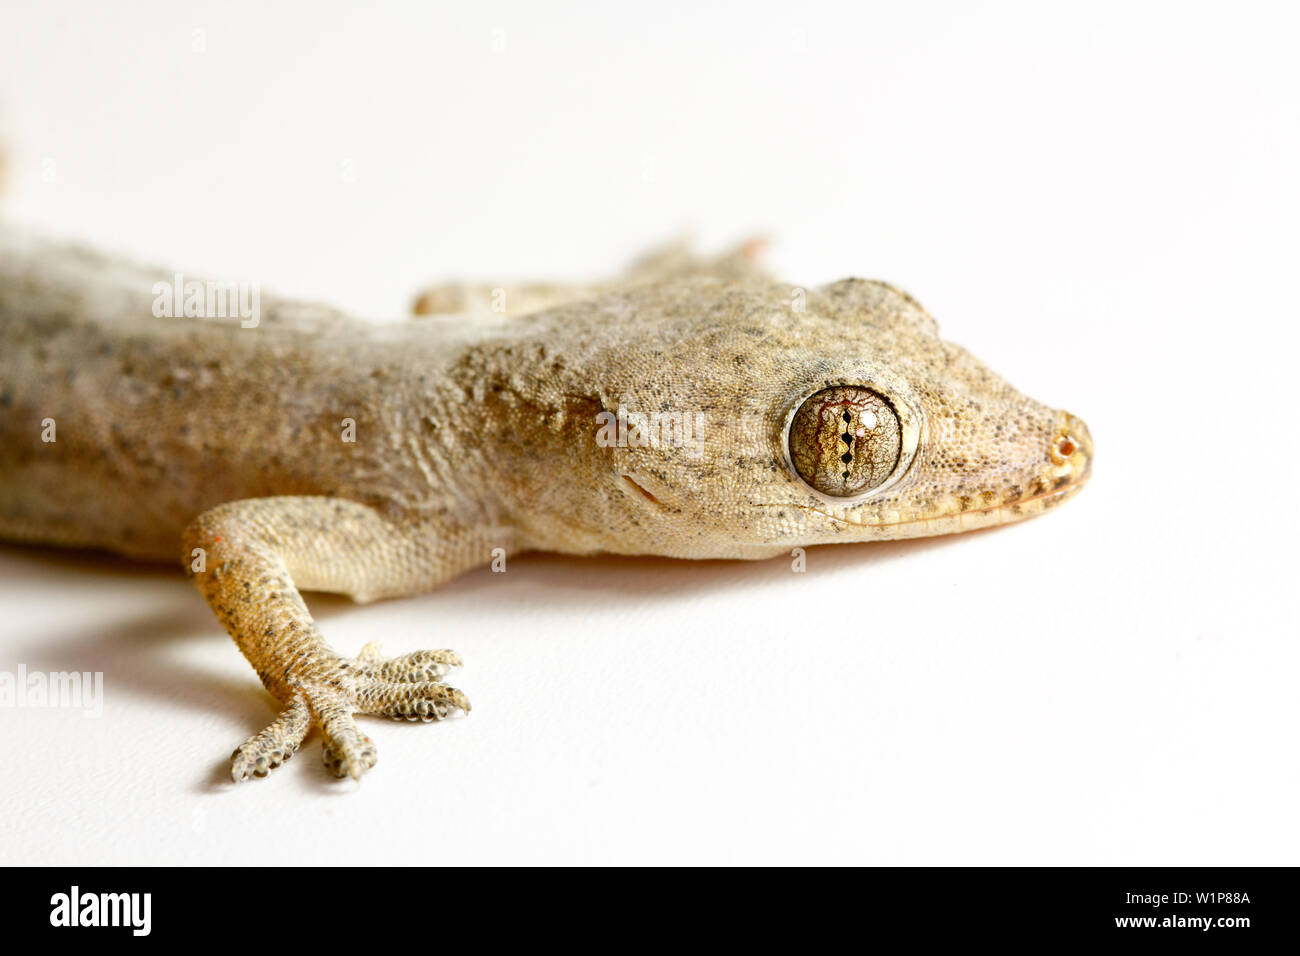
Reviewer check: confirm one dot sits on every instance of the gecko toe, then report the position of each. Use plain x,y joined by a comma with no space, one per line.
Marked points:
416,667
347,752
425,700
263,752
257,758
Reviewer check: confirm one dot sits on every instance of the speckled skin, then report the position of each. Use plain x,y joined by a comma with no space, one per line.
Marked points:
476,433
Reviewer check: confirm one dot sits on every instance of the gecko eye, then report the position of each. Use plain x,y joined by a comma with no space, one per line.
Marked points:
845,440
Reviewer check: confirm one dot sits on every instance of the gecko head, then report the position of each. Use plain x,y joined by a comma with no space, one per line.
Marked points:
850,419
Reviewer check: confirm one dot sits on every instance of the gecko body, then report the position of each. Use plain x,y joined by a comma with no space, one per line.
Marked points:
692,409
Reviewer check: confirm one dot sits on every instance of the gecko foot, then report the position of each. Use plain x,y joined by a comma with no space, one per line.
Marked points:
403,687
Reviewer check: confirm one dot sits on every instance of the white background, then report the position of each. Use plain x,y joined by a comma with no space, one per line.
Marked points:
1100,201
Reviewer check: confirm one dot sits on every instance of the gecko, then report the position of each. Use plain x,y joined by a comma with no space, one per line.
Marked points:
692,408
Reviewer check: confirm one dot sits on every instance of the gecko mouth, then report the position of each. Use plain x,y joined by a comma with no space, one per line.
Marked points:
987,516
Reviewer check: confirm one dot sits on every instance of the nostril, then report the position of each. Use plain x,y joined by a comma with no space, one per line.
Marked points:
1063,448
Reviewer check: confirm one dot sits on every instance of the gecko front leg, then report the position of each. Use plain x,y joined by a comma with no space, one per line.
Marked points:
249,558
